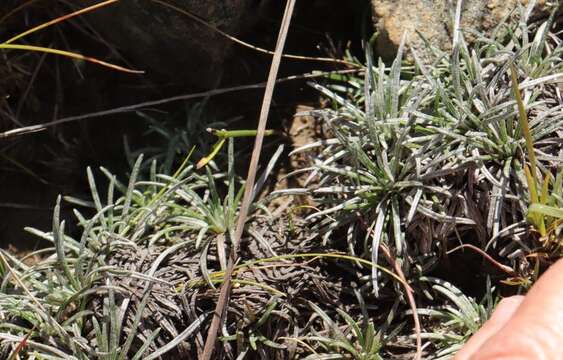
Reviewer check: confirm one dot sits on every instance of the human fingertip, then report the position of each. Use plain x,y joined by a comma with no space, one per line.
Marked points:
502,313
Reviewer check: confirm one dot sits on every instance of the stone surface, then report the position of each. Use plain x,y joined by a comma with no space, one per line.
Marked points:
170,46
433,19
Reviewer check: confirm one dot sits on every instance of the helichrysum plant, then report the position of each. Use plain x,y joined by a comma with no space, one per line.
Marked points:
358,340
460,316
120,289
423,156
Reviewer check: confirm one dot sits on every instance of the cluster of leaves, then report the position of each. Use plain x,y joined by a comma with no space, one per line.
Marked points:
139,280
89,297
359,340
458,319
169,137
424,157
431,154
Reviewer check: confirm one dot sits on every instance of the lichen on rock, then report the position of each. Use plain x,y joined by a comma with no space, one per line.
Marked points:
432,21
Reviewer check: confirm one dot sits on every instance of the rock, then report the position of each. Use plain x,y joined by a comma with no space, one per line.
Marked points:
433,19
170,46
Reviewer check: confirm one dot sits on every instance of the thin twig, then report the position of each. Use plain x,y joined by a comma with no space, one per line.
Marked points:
138,106
60,19
410,298
9,44
68,54
248,45
221,306
504,268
